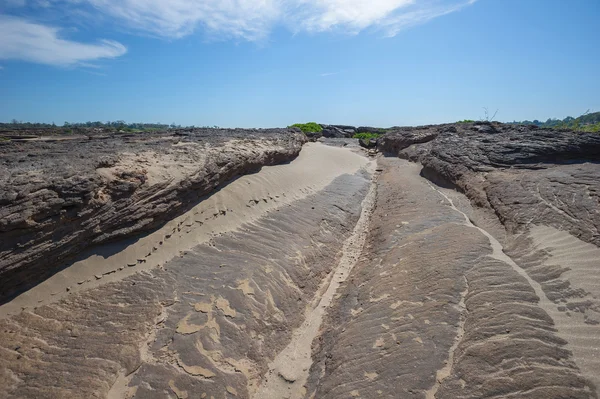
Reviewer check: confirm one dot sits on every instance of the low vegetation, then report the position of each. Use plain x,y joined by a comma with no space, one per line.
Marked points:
310,127
366,136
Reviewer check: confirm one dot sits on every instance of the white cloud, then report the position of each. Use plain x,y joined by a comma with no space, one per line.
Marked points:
350,15
254,19
29,41
251,20
248,19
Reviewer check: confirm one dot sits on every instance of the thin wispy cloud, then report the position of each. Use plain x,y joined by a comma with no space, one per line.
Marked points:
255,19
420,15
323,75
24,40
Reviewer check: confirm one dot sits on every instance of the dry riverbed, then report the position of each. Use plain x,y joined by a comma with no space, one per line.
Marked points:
333,276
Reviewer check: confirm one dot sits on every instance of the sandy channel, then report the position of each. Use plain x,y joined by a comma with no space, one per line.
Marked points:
241,201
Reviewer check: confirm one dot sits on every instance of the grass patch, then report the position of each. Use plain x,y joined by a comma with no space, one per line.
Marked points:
366,136
595,128
310,127
466,121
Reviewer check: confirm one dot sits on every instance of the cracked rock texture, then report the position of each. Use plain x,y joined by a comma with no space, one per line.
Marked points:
525,175
60,196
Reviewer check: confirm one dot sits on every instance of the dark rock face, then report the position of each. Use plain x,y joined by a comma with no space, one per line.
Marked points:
59,197
369,129
367,143
400,138
331,131
524,175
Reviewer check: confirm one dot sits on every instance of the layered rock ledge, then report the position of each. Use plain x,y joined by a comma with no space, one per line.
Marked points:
60,196
537,192
524,174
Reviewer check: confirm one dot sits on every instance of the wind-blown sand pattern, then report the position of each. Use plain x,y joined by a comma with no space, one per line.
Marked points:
208,320
568,270
289,371
242,201
438,310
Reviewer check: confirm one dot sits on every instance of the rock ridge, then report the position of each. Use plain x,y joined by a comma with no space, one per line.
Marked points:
60,197
524,174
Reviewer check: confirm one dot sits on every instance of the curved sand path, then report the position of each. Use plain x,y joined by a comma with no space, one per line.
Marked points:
198,307
243,200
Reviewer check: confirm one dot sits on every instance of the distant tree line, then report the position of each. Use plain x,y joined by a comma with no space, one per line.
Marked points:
109,125
588,122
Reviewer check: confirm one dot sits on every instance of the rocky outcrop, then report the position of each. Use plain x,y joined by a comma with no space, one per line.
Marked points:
339,132
434,309
537,192
524,174
370,129
205,323
61,196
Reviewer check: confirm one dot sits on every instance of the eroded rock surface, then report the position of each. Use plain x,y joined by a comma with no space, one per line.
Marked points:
542,189
207,322
60,197
435,309
525,175
479,276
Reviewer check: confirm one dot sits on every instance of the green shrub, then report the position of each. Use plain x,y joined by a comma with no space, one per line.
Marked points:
310,127
466,121
366,136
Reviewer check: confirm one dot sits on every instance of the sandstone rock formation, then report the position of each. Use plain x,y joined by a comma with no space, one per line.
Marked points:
59,197
206,322
525,175
465,264
537,191
434,309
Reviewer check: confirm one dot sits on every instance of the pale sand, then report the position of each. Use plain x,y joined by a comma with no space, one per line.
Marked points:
242,201
583,260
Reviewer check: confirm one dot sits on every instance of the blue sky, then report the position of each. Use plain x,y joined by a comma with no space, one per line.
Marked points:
263,63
